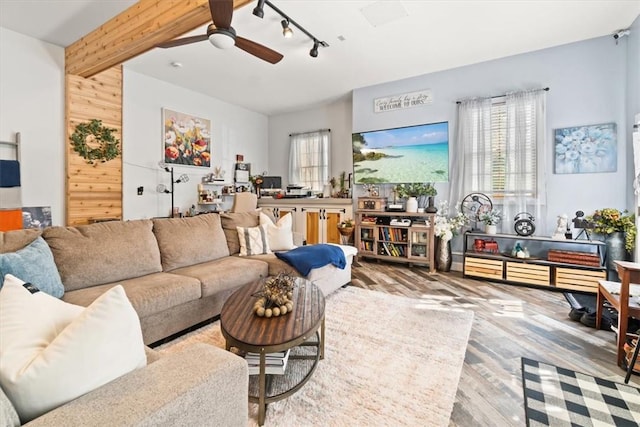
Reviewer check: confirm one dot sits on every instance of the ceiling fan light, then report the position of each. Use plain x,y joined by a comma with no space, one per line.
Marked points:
287,32
222,40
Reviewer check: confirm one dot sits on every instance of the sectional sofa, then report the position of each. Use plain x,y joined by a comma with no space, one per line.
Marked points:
177,272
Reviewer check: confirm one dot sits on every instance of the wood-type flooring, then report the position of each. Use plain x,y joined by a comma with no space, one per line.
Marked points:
510,322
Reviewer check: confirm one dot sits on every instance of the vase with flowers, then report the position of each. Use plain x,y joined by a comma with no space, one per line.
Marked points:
417,195
619,231
445,227
491,220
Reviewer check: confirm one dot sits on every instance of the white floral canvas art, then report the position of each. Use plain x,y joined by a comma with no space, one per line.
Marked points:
586,149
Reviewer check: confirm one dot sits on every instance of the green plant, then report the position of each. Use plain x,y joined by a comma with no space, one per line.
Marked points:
95,133
492,217
347,223
415,189
610,220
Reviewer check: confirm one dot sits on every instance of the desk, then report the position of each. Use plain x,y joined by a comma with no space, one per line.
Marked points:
618,295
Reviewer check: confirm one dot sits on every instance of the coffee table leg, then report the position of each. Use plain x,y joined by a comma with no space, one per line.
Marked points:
262,407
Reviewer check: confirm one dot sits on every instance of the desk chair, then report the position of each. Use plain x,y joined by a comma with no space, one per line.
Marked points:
244,202
618,295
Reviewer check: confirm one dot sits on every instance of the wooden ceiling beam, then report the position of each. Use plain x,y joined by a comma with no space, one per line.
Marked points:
135,31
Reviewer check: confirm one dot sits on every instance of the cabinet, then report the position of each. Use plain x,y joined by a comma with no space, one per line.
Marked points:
568,265
377,236
321,223
315,219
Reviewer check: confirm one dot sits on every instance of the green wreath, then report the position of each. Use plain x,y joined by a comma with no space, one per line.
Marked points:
108,145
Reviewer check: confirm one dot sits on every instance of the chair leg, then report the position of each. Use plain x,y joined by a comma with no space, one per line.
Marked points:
632,363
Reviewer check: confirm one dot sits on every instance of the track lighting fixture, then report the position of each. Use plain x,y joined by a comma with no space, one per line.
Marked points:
259,9
314,50
286,22
287,32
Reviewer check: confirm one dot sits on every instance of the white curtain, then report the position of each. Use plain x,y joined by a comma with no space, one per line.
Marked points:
309,159
525,149
471,161
508,134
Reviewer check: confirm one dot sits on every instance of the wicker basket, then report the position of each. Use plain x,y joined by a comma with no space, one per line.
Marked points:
346,231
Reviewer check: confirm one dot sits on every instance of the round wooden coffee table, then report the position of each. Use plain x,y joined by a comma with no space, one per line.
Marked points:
247,332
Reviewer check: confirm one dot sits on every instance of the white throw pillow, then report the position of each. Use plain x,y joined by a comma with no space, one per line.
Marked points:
280,234
253,240
52,352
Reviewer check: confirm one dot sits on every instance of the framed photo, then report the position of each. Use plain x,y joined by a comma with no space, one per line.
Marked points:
186,139
586,149
36,217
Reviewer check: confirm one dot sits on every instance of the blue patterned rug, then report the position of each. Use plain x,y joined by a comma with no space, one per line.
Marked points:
556,396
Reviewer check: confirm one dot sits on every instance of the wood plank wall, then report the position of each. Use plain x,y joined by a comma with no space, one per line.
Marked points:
93,192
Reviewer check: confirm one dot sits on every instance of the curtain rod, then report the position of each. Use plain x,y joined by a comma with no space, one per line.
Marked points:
546,89
311,131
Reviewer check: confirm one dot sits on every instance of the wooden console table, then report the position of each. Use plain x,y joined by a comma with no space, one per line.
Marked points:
618,295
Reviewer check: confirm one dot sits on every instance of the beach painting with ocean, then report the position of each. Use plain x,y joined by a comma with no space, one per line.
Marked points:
408,154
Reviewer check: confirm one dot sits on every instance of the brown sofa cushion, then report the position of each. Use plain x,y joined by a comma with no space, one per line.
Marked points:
105,252
239,219
276,265
11,241
188,241
225,274
149,294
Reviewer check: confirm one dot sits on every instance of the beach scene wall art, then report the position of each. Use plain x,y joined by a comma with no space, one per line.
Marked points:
407,154
586,149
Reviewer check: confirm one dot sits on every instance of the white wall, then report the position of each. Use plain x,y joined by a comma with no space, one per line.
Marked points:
235,130
588,86
335,116
32,103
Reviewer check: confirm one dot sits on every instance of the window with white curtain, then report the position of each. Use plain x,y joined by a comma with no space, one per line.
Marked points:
498,144
309,159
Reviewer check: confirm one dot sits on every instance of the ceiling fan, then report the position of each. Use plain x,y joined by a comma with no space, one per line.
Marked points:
222,35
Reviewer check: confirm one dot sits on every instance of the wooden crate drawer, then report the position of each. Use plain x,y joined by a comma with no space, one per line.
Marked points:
528,273
481,267
579,280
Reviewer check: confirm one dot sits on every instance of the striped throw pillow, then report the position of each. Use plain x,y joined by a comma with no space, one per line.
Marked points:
253,240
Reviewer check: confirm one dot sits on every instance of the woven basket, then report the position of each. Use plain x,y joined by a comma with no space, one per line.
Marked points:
346,231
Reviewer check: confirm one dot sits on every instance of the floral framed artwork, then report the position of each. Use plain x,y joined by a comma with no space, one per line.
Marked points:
186,139
586,149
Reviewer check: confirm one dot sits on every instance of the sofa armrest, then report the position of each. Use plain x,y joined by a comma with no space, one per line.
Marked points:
202,382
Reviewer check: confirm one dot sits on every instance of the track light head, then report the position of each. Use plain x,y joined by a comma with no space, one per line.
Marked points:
314,50
259,9
287,32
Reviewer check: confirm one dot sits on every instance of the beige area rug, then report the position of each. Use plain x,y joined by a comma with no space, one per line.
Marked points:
388,361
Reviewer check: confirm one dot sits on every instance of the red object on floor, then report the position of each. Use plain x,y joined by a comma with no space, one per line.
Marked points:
10,219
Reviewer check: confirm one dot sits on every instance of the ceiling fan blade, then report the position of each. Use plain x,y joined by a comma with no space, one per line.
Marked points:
256,49
183,41
221,12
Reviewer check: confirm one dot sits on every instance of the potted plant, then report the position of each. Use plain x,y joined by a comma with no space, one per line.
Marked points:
415,191
445,228
619,231
491,220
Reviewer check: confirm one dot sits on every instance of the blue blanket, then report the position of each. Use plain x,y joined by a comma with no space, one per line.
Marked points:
306,258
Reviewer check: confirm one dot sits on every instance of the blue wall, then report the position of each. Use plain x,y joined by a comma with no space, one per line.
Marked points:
588,82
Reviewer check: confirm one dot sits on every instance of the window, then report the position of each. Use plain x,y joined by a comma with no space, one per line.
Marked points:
309,159
510,163
499,142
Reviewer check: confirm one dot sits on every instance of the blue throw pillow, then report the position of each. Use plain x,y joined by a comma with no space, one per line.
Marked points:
34,264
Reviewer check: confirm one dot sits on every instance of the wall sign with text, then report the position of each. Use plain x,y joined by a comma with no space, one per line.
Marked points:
405,100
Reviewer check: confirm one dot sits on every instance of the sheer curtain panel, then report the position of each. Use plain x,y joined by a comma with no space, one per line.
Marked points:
309,159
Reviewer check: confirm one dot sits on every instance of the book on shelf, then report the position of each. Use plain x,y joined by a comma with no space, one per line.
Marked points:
274,365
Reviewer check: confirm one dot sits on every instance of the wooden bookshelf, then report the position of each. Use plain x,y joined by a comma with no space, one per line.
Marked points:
376,237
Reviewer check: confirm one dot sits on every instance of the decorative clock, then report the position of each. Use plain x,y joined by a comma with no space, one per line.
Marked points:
523,224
